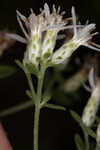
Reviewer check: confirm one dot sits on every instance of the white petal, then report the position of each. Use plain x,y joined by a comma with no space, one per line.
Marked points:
16,37
46,10
91,78
74,21
58,11
21,25
32,21
23,18
87,87
86,30
92,47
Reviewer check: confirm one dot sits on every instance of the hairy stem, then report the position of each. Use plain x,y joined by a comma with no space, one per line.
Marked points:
37,108
86,140
28,75
36,127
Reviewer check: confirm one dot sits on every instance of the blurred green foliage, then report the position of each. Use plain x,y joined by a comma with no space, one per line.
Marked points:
20,124
6,71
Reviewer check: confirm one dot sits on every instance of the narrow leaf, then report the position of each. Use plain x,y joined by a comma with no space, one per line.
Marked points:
16,109
32,69
76,117
91,132
52,106
87,129
79,143
19,64
28,93
45,100
6,71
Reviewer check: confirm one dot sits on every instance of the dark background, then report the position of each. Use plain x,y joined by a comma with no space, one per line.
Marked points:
57,128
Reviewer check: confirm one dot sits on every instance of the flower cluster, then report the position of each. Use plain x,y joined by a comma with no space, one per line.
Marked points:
42,32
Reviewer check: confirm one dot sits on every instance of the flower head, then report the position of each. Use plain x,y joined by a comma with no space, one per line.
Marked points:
42,22
82,36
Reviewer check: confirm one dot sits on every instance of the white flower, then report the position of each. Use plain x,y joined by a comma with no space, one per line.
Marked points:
82,36
41,33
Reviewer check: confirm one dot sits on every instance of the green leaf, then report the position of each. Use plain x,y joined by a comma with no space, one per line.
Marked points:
77,118
87,129
79,143
46,99
6,71
91,132
16,109
52,106
28,68
19,64
28,93
32,68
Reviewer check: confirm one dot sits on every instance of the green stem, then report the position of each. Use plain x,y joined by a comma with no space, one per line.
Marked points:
86,140
36,127
37,108
28,75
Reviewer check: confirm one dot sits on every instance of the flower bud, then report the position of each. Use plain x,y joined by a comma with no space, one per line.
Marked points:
64,52
48,45
92,106
32,54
